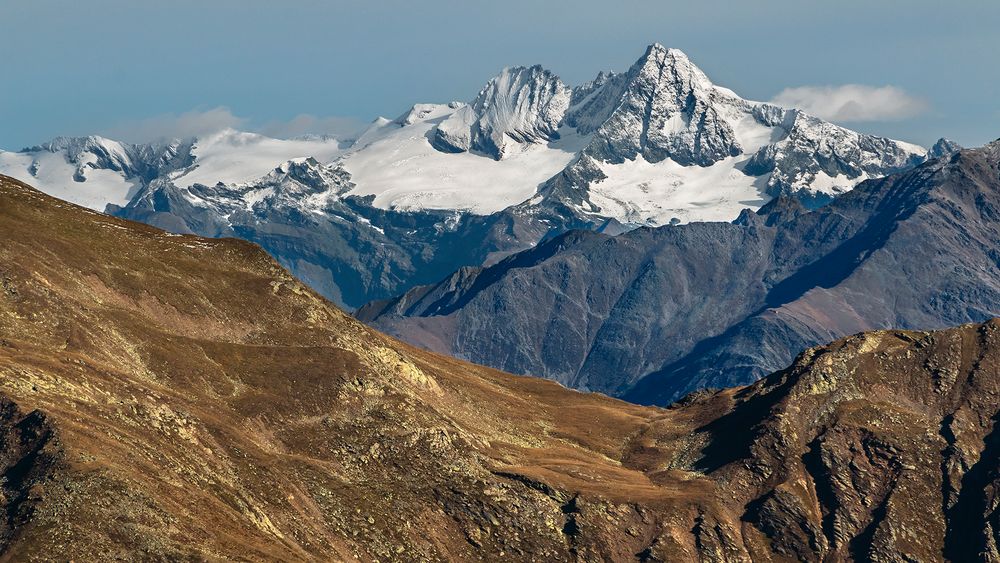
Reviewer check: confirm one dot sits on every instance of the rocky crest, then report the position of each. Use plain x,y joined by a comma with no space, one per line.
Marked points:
818,160
133,161
663,107
944,148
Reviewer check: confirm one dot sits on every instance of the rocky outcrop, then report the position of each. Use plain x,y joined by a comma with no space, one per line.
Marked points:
29,456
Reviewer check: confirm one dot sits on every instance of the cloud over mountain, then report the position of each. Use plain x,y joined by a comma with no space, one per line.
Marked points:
192,123
200,122
853,102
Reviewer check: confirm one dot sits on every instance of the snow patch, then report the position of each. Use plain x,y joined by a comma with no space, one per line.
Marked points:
402,170
53,174
643,193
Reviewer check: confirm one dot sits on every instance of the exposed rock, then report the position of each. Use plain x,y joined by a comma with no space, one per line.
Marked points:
944,148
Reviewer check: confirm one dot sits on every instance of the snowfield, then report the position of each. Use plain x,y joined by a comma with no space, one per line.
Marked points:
54,174
397,164
666,192
236,157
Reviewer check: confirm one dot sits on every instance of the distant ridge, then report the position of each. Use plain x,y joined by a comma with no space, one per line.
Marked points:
655,313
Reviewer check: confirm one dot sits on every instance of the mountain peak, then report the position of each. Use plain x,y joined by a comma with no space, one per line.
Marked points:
658,49
519,105
299,177
944,148
671,66
663,107
423,112
77,145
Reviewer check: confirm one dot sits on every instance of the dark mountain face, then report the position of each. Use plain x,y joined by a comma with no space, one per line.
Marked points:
655,313
169,397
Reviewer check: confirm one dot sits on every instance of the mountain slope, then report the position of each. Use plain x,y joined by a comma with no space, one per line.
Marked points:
655,313
94,171
187,398
172,397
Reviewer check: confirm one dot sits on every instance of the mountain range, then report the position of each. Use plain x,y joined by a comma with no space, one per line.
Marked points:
443,186
171,397
656,313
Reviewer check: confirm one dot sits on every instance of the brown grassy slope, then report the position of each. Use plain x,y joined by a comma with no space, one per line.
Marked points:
181,398
209,405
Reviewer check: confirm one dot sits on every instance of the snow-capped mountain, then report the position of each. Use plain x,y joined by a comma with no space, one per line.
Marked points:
95,172
667,145
521,105
397,162
447,185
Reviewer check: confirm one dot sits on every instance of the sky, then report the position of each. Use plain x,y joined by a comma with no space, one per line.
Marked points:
914,70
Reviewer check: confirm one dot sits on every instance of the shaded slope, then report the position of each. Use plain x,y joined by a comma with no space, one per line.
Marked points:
655,313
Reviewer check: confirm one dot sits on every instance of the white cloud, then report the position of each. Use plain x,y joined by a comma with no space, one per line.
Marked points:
852,102
197,123
304,124
177,126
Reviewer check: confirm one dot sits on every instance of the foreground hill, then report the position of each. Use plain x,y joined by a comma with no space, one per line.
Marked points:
655,313
171,397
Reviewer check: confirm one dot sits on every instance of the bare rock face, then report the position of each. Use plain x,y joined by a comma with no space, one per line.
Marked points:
171,397
29,455
944,148
663,107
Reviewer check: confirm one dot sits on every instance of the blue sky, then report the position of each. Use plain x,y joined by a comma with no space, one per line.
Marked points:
132,69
